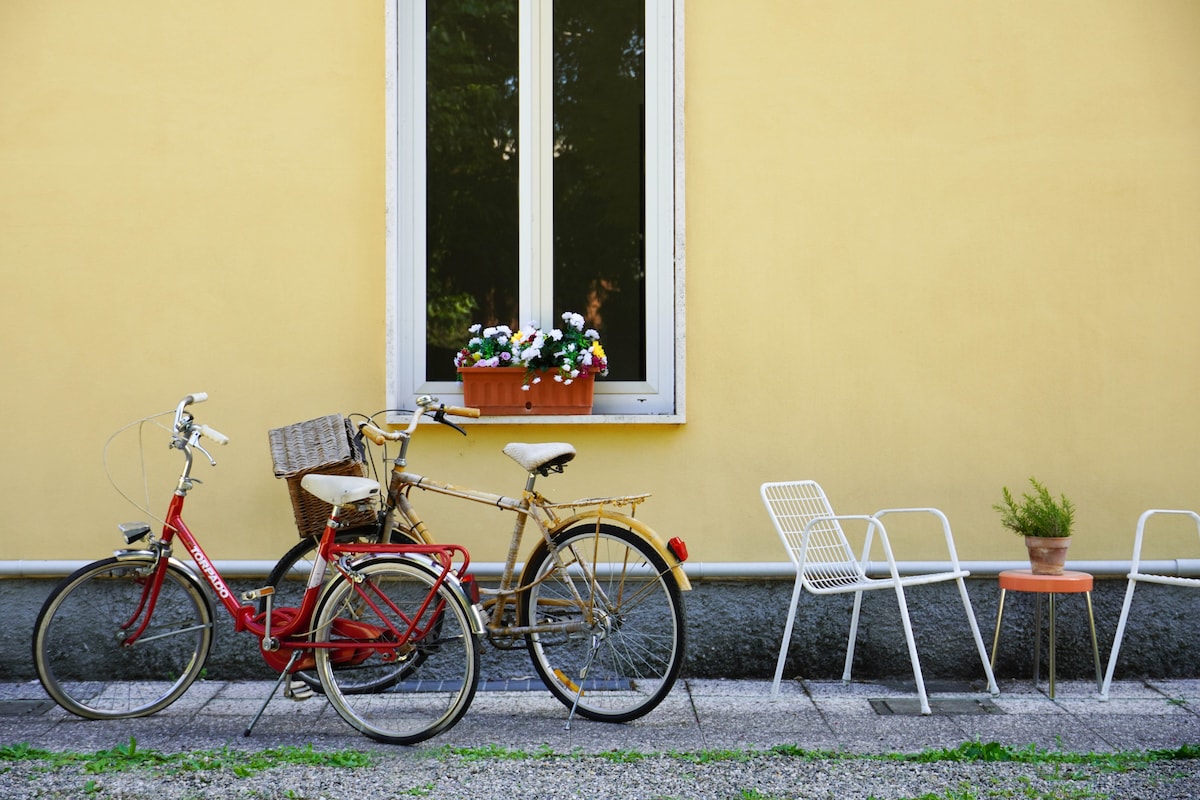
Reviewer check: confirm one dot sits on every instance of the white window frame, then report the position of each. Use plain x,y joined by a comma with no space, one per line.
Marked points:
660,398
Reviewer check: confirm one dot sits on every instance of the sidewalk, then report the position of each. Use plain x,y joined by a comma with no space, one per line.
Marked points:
699,715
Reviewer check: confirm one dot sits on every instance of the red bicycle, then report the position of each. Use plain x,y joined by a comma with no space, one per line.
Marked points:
391,631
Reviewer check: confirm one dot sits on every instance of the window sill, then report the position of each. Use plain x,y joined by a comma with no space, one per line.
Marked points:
579,419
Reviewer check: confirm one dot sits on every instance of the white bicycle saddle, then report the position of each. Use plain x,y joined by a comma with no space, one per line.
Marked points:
534,457
339,490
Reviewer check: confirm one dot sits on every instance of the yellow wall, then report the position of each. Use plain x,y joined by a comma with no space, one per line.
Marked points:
932,248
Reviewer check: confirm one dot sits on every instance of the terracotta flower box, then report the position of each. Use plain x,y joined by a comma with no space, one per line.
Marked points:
501,392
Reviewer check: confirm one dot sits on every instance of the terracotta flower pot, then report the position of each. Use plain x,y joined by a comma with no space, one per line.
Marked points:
500,392
1047,554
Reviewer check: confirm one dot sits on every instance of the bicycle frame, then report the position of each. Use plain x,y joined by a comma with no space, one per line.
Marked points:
531,505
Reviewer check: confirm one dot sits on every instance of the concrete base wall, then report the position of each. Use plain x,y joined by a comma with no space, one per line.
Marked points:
734,629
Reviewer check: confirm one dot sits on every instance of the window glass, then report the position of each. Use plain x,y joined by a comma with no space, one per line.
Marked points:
599,214
472,168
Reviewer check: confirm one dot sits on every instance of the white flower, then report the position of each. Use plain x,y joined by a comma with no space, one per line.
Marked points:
475,342
592,333
476,328
574,320
556,335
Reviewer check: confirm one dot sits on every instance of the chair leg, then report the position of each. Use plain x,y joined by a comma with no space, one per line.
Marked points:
853,637
983,656
787,636
1116,647
912,651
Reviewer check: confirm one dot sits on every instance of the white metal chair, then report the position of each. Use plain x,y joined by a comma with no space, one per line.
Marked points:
1135,576
825,564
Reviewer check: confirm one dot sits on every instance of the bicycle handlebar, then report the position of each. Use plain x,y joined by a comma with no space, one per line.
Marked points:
425,405
203,430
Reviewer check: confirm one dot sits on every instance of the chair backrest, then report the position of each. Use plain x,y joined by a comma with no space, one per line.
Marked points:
824,560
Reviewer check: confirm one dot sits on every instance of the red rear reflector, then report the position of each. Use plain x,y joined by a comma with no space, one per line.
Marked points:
679,548
471,588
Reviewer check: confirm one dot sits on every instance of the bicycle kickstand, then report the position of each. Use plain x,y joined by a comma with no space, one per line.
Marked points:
282,676
582,677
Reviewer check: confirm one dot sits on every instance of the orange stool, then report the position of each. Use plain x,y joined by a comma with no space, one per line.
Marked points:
1023,580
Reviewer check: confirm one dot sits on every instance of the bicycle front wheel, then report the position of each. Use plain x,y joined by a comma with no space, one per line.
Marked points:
406,665
89,654
612,618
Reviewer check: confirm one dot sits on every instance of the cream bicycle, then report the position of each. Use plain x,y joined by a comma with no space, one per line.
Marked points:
597,600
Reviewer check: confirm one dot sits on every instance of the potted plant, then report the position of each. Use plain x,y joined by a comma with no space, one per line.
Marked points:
531,370
1044,522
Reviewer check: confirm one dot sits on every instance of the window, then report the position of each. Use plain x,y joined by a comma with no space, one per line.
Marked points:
533,170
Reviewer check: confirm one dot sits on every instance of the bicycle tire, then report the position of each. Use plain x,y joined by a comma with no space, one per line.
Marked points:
440,667
77,642
289,578
627,661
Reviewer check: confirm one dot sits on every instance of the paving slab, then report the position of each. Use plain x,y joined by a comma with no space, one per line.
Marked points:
698,715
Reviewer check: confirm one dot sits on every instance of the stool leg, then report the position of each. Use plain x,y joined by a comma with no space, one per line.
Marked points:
1037,640
1095,646
996,637
1052,643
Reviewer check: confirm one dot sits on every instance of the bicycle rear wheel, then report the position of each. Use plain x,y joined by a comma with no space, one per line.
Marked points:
289,577
79,640
628,648
395,689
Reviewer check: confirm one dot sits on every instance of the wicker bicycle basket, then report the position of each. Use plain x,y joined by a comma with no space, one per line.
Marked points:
323,445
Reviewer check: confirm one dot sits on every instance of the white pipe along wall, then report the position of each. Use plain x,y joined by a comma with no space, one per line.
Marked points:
717,570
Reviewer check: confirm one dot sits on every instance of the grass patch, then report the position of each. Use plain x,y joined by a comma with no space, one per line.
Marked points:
1029,754
243,764
979,752
130,757
495,752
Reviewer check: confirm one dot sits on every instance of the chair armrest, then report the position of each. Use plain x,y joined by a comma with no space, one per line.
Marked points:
1141,529
936,512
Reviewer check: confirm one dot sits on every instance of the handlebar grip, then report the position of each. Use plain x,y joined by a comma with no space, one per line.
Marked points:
462,411
196,397
371,432
214,434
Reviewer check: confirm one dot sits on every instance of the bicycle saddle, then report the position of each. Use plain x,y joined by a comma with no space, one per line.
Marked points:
540,457
339,490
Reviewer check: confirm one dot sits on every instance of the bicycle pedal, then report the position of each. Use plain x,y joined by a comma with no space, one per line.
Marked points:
297,690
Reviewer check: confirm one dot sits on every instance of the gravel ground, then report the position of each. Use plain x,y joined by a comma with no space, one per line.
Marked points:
759,777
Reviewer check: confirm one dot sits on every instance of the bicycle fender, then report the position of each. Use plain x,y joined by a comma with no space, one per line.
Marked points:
183,569
425,564
645,532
